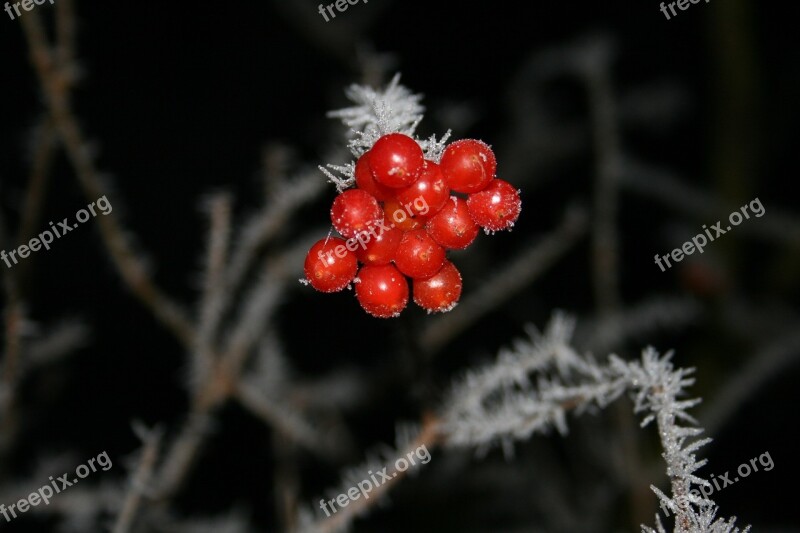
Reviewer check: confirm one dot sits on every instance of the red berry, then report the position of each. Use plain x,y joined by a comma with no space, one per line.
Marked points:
381,290
379,245
496,207
397,216
365,180
468,165
329,265
355,211
426,196
396,160
418,255
440,292
453,227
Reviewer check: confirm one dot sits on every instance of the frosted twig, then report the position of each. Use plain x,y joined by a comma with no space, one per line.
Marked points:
265,224
376,113
43,157
140,478
60,340
657,387
213,289
181,454
500,403
777,226
278,416
764,364
605,240
513,276
13,320
286,481
262,301
605,334
54,83
66,36
428,436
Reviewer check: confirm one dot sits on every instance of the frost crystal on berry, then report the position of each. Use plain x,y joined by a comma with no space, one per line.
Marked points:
394,109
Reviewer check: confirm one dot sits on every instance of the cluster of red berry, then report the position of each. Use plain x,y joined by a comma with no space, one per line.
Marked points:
403,214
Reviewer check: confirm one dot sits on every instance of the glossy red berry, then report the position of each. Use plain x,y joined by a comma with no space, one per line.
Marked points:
378,247
426,196
330,266
355,211
396,160
366,180
398,216
468,165
418,255
453,227
496,207
381,290
440,292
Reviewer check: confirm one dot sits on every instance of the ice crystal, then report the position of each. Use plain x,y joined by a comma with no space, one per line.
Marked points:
395,109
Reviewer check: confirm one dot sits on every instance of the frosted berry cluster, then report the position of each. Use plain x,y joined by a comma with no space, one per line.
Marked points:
403,215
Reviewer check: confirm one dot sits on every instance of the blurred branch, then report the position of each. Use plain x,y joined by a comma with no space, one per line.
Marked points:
13,319
282,419
213,289
55,83
60,340
766,363
519,272
607,152
140,479
428,436
781,227
607,333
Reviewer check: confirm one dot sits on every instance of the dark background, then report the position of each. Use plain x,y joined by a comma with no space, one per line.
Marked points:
180,99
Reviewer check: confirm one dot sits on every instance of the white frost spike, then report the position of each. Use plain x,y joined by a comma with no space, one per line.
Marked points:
376,113
499,403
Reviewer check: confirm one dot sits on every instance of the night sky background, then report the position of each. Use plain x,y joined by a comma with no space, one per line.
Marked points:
180,99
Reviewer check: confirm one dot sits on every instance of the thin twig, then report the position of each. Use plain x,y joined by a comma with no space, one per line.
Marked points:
213,288
181,455
516,274
605,240
263,226
763,365
37,181
429,436
140,480
13,320
286,481
780,226
54,84
66,36
284,421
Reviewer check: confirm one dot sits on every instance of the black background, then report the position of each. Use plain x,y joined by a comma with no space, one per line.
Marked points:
179,99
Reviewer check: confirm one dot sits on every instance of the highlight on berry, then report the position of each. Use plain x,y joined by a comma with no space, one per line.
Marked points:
402,205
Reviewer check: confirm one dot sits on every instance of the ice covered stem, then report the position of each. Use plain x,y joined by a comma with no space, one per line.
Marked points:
658,386
531,388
